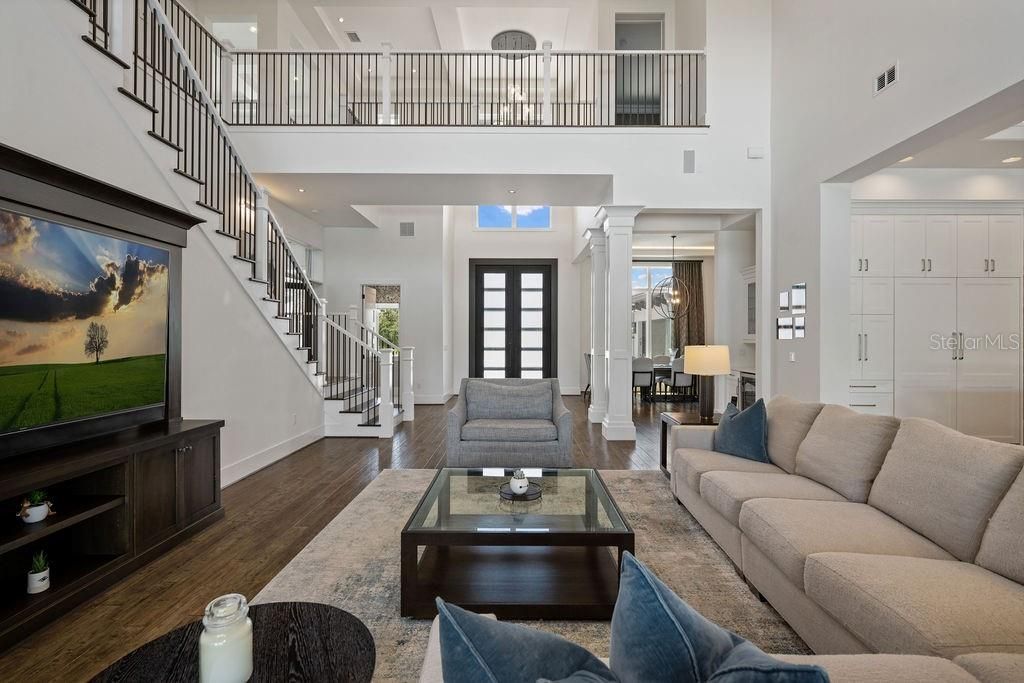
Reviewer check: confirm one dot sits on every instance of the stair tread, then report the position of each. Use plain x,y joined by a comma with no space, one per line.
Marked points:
161,138
137,100
105,52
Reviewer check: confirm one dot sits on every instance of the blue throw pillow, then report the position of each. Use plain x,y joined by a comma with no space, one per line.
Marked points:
475,648
744,434
658,637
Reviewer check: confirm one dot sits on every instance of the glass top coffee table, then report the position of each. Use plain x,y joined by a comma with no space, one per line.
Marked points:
554,558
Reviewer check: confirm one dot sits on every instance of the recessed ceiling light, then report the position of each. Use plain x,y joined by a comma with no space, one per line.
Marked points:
511,191
905,160
252,29
1012,160
414,70
302,189
341,20
316,210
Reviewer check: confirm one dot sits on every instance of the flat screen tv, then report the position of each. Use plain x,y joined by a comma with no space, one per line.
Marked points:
83,327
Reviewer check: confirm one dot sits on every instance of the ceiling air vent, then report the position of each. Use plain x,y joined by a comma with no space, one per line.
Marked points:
353,37
407,229
885,79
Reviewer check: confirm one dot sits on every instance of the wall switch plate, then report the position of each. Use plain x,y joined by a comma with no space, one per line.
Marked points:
792,356
755,152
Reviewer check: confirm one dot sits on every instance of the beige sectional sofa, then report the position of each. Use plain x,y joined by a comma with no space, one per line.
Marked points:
871,534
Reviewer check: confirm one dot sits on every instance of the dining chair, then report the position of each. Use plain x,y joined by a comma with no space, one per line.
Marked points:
643,376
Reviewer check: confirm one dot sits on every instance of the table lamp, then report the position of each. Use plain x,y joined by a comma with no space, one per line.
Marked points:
706,362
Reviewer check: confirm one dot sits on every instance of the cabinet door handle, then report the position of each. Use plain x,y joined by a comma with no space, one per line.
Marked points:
986,265
860,347
993,265
922,265
929,265
867,265
961,345
863,386
860,265
863,405
865,346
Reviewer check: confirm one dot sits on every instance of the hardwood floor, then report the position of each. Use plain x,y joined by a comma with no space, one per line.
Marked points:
270,516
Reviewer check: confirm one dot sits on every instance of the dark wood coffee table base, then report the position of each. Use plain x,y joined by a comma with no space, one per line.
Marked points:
515,582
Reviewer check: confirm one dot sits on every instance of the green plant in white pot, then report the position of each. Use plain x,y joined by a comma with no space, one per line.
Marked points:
35,507
39,573
519,483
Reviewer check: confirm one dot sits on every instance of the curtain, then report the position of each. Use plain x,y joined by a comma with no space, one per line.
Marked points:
689,327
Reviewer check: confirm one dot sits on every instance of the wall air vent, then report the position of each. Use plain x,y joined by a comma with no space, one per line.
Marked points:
353,37
407,229
885,79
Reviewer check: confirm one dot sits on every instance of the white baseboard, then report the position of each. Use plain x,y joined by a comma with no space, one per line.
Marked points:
257,461
432,399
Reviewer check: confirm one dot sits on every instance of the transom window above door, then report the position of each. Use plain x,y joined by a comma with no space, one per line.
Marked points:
507,217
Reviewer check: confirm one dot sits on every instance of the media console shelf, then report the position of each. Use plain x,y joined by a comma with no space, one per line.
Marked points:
120,500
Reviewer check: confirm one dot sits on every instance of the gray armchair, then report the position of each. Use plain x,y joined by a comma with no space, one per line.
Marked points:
509,423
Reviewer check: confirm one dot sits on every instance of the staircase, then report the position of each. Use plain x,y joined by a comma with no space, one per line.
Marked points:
173,70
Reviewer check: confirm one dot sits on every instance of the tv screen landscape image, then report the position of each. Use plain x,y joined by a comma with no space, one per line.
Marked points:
83,323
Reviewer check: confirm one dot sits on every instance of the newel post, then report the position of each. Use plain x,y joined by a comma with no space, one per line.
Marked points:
545,112
387,401
385,97
408,397
261,234
227,84
321,339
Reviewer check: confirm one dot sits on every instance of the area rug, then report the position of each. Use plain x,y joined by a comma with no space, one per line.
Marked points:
354,564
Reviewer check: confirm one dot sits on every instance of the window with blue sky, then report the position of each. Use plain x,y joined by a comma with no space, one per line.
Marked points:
498,217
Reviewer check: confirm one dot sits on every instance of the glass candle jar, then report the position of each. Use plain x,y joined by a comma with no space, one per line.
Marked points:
225,646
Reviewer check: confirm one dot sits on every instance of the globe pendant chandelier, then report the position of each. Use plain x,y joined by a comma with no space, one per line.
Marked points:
671,298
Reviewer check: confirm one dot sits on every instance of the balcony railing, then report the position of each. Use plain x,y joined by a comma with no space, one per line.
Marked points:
497,88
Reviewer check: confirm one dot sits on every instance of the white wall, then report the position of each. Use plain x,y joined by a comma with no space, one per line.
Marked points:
557,244
734,251
234,366
945,184
828,120
357,256
298,227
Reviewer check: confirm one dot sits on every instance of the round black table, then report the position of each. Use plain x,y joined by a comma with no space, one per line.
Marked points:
292,641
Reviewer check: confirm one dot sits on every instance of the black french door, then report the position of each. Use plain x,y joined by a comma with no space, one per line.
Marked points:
513,318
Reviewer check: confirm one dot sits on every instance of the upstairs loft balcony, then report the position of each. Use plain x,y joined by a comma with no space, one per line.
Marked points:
494,88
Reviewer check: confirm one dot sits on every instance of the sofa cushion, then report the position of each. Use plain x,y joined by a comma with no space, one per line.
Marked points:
487,400
993,667
691,463
1002,546
844,450
789,421
509,430
742,432
884,668
787,531
656,636
476,648
915,605
727,491
943,484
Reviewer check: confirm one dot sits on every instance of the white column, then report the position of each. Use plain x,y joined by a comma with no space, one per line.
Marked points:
618,228
262,234
408,397
545,111
385,91
598,304
387,405
227,85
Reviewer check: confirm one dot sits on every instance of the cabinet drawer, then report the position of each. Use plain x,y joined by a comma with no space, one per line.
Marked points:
872,404
870,386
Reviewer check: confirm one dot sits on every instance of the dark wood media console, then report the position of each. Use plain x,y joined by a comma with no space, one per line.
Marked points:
121,500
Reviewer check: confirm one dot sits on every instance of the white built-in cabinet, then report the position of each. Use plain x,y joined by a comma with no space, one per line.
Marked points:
935,320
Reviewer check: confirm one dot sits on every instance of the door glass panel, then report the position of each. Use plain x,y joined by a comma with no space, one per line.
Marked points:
494,373
532,299
494,359
494,280
494,299
533,319
532,281
532,339
532,359
494,319
532,374
494,339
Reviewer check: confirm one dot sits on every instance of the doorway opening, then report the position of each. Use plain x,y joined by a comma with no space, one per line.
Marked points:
381,311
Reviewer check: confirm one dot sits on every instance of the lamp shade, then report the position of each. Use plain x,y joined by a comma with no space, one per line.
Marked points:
706,360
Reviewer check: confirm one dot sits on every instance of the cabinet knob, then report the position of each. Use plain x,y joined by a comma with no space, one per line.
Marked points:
922,265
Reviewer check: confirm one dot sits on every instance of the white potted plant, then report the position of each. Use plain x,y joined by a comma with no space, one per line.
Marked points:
35,507
39,573
519,483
